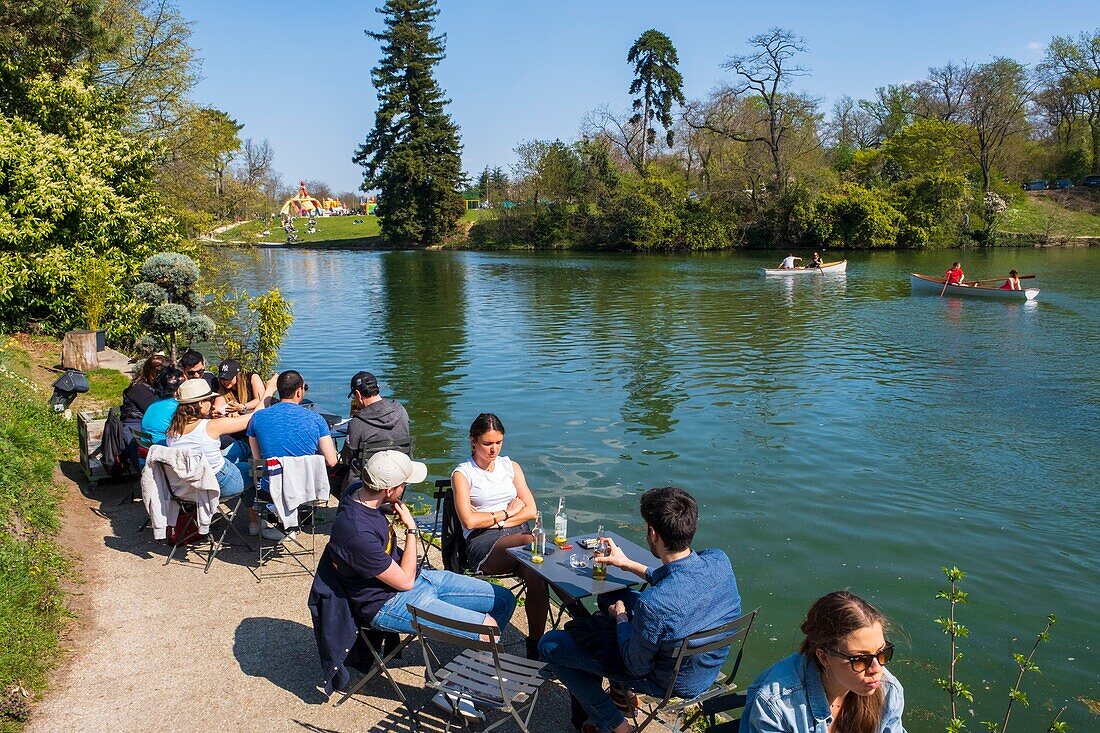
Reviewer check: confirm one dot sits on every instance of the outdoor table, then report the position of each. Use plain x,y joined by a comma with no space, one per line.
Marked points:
574,584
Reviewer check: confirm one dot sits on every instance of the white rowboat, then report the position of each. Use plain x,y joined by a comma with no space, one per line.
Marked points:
825,269
929,284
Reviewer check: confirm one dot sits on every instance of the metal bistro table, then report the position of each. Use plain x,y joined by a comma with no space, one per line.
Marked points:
572,585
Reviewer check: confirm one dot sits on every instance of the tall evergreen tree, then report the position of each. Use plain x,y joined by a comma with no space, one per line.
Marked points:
413,154
659,82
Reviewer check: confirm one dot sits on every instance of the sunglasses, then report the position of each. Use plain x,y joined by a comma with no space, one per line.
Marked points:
862,662
194,372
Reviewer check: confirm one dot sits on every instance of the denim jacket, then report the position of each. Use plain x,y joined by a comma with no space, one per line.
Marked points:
692,594
789,698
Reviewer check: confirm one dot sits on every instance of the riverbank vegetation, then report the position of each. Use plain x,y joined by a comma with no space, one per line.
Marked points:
32,438
758,163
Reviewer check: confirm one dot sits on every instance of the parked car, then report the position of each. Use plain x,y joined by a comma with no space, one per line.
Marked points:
1091,181
1062,183
1036,185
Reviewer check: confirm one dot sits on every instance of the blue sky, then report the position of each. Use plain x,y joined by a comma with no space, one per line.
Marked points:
299,74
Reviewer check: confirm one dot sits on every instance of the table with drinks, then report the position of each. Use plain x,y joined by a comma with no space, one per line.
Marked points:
566,562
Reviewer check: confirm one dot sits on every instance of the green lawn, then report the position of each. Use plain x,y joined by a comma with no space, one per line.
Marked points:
333,230
1040,215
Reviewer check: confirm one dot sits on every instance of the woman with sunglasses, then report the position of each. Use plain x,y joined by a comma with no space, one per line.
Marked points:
837,682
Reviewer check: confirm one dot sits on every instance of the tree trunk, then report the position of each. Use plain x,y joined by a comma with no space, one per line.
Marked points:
1095,130
78,351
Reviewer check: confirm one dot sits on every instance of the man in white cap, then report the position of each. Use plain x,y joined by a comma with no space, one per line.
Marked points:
380,578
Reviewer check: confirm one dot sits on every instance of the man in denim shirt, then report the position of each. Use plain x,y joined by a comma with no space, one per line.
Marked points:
690,592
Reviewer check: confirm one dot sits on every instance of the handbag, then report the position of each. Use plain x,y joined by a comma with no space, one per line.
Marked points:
186,528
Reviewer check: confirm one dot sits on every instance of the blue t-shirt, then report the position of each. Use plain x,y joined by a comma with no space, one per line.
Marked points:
157,418
286,429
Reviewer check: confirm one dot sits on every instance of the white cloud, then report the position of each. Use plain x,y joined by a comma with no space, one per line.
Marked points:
1034,46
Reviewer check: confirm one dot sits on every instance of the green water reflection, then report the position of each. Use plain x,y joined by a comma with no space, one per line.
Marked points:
838,431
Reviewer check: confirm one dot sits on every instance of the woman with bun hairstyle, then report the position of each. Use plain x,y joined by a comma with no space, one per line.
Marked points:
837,682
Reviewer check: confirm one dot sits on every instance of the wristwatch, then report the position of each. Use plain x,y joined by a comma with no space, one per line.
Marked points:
415,531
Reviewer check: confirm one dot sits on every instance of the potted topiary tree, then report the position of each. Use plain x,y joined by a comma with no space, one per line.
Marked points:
94,289
168,287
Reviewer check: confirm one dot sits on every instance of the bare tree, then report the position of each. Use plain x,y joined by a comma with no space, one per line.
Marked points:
1077,62
995,110
777,116
623,132
851,126
943,94
257,161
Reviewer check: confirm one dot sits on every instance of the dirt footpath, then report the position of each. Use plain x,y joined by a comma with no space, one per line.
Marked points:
155,647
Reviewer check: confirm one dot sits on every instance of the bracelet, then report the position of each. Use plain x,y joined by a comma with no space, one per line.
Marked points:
506,516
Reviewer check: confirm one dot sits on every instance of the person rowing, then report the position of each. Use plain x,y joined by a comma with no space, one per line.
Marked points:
816,260
788,262
954,275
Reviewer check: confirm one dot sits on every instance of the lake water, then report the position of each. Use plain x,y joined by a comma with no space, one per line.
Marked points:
837,431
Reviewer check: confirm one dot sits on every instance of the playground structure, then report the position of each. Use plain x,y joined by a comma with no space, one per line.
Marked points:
301,205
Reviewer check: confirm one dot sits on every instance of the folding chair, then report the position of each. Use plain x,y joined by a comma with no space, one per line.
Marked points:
481,673
221,523
728,636
145,442
289,547
382,655
715,710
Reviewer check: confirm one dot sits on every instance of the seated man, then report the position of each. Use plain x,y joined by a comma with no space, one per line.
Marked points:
376,418
287,429
690,592
380,578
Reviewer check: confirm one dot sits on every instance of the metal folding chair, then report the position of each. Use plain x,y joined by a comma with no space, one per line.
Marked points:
715,713
729,635
382,655
289,549
221,523
482,673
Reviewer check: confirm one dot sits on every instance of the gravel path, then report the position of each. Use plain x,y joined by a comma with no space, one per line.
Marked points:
154,646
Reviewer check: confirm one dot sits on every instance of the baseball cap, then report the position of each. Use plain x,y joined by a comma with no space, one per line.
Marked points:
361,382
390,468
229,369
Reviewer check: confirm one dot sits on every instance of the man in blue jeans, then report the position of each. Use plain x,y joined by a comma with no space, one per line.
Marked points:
689,593
380,578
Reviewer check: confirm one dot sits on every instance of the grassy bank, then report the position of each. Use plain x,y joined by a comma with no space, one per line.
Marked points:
32,612
1053,214
332,231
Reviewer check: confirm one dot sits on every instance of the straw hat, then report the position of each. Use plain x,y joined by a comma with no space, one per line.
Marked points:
194,390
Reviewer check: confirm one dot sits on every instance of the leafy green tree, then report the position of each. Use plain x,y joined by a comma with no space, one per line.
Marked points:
413,154
251,328
70,196
854,217
659,84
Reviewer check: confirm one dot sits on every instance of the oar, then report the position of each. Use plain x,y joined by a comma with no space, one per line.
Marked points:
998,279
946,279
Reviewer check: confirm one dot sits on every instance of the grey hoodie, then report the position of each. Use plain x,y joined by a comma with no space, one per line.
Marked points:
382,420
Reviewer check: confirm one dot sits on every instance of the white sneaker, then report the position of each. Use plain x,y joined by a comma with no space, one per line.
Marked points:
465,706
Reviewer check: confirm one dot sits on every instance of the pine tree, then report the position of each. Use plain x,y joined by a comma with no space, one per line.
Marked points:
660,83
413,154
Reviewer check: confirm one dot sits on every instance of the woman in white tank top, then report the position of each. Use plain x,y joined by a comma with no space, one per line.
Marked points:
193,426
494,504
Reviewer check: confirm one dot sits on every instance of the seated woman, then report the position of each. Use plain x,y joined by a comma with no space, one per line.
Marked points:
816,260
837,682
241,391
1013,281
137,398
158,415
494,503
194,426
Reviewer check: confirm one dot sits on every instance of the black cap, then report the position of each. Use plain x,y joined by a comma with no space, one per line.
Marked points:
229,369
362,382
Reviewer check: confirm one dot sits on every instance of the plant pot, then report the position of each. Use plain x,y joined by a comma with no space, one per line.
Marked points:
100,340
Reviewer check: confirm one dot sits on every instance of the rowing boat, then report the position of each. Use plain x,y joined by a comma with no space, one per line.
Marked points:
825,269
929,284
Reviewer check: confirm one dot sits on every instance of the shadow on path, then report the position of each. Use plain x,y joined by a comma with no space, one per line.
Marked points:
275,649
